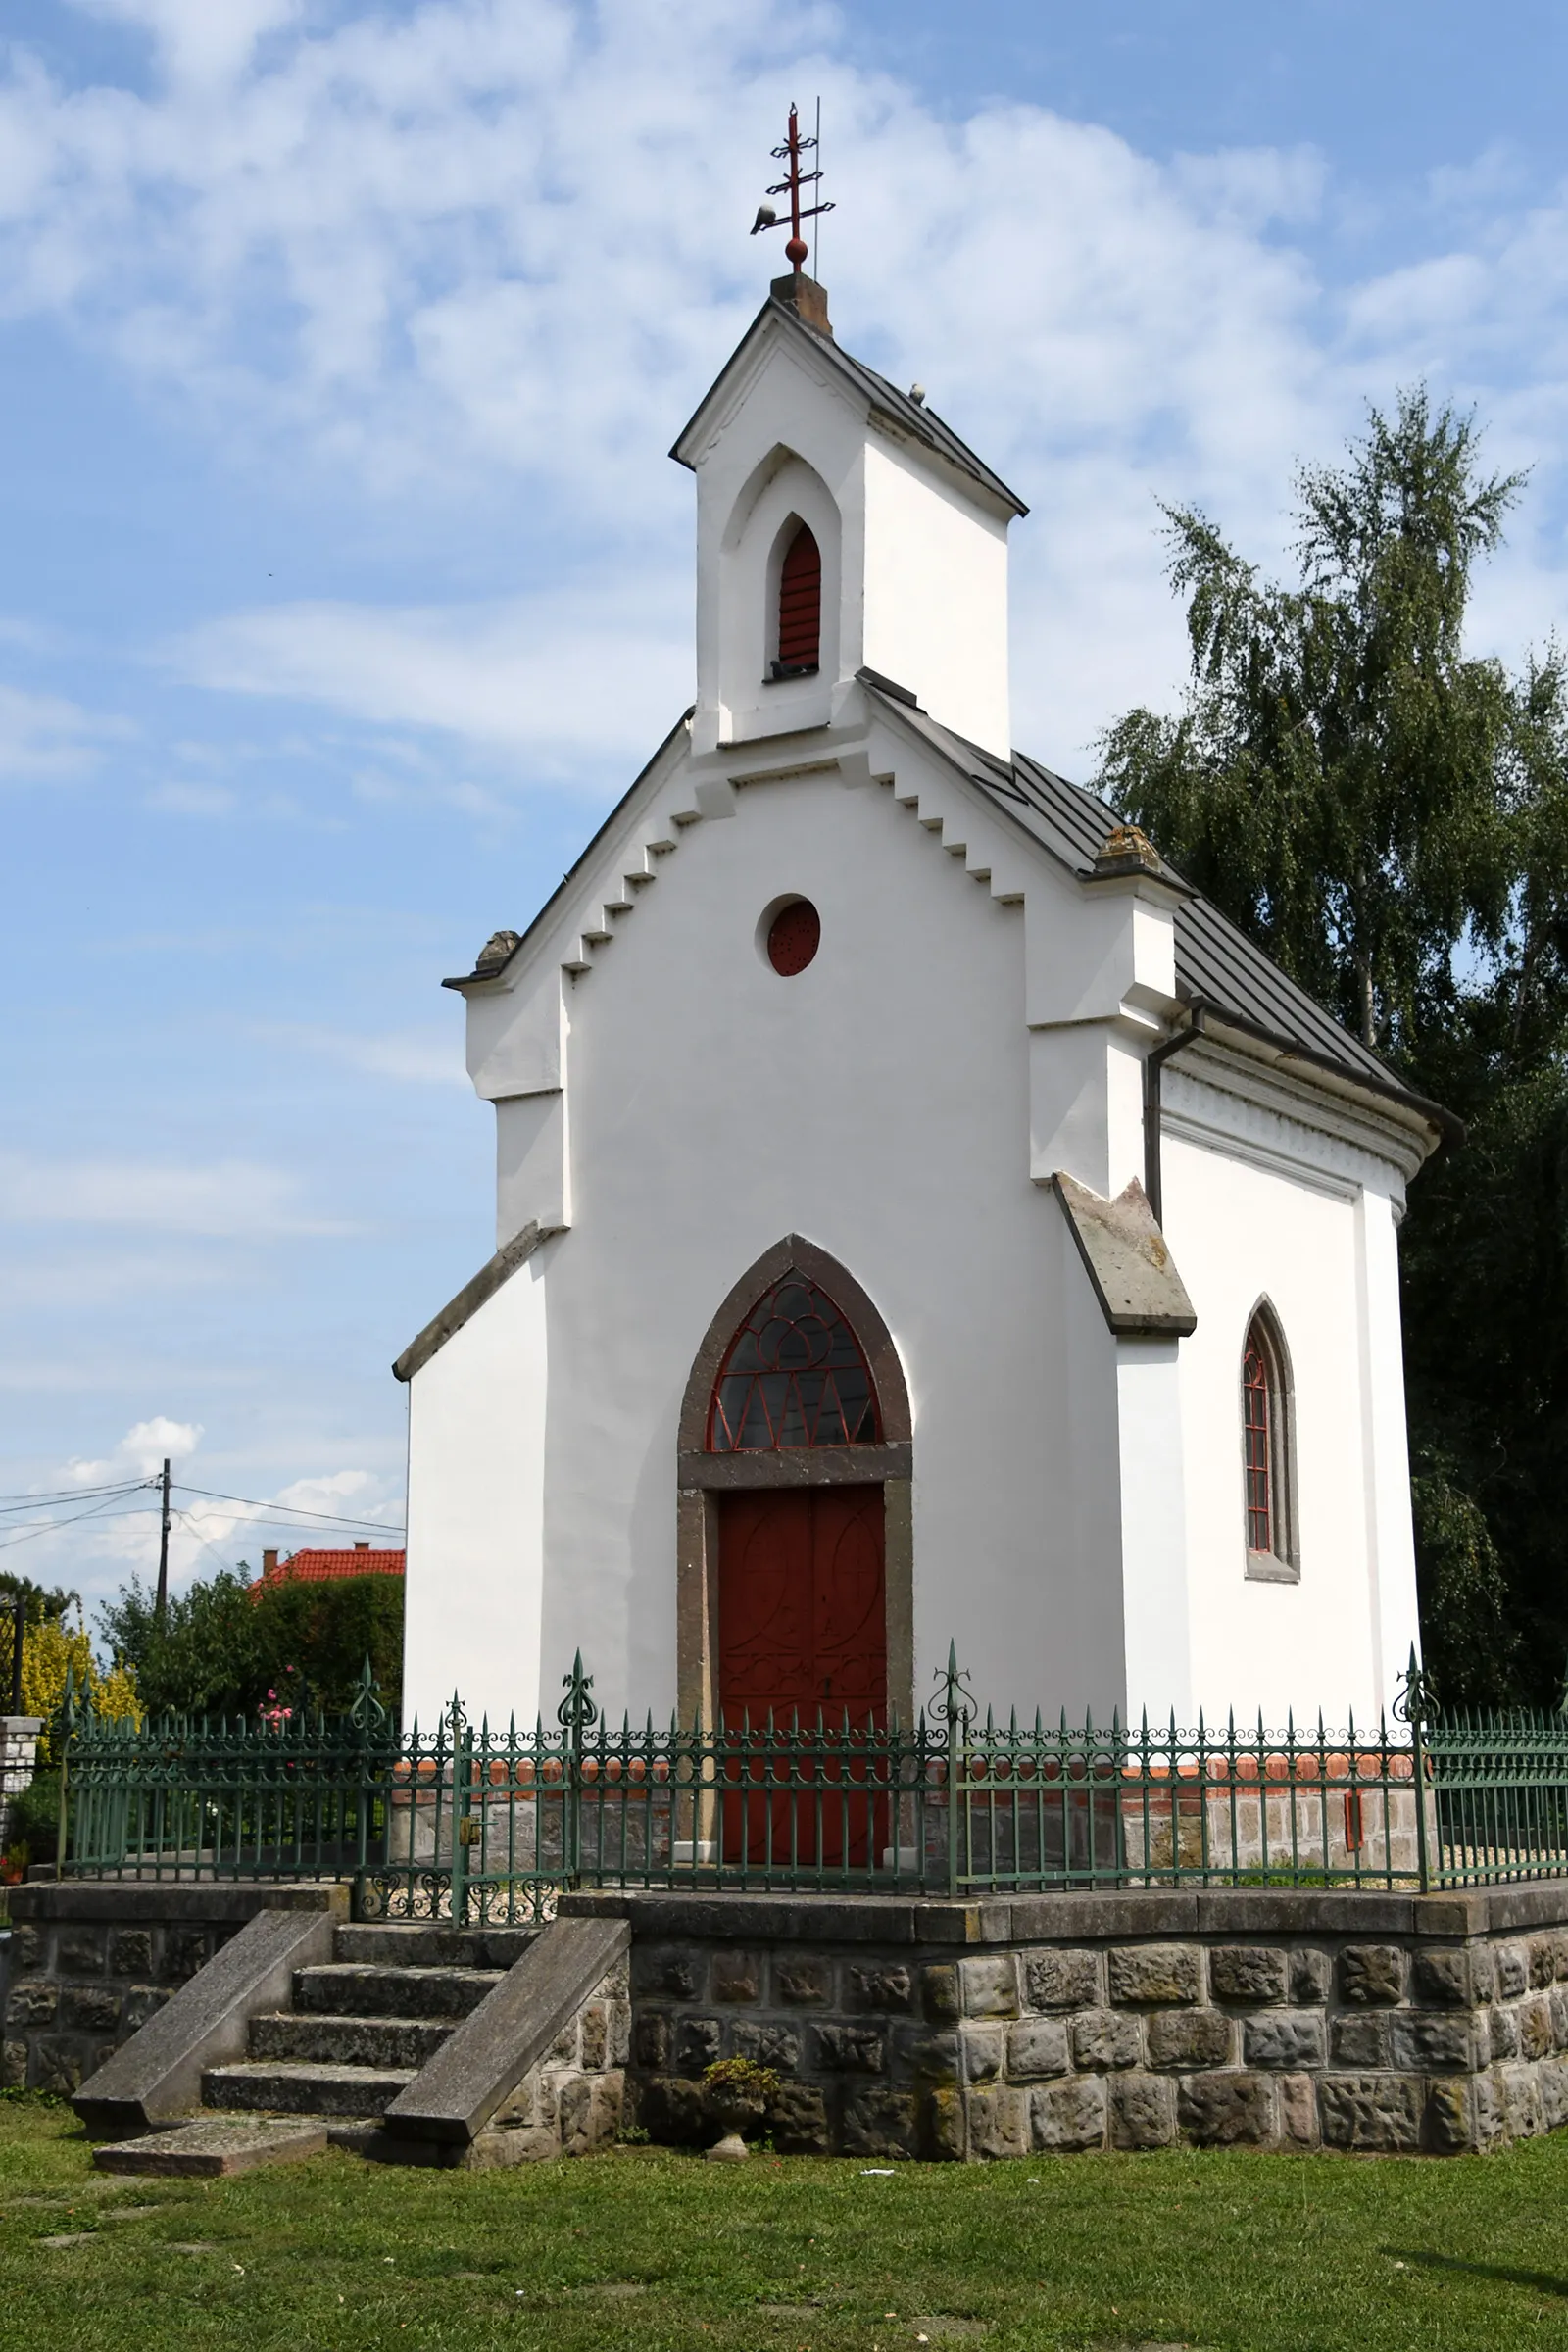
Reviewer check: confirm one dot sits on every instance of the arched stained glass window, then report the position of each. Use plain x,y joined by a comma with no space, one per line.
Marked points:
1268,1471
795,1375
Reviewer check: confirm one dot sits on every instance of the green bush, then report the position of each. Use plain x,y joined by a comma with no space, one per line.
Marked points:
229,1646
36,1817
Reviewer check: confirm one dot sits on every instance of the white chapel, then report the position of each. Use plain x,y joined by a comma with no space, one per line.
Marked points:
919,1216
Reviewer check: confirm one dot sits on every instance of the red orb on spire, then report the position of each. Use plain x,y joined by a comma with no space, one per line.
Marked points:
795,250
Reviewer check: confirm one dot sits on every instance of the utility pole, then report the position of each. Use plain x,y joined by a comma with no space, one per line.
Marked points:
162,1609
18,1627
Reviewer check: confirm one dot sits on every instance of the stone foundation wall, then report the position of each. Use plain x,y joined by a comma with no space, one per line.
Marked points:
1436,2023
572,2103
89,1963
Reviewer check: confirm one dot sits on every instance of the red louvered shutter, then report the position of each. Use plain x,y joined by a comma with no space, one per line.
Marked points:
800,604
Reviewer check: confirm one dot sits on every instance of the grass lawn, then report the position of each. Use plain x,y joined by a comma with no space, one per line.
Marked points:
653,2249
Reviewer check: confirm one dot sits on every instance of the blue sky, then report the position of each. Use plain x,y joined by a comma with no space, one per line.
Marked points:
345,580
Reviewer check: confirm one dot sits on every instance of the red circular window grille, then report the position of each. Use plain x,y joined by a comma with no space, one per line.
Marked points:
794,937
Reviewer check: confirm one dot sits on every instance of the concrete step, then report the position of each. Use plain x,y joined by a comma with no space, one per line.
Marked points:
350,1988
292,2086
215,2145
379,2042
430,1943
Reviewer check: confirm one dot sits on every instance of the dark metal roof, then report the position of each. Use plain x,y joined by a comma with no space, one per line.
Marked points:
911,418
1216,965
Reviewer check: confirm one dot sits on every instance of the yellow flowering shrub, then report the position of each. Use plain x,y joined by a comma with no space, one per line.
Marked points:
52,1650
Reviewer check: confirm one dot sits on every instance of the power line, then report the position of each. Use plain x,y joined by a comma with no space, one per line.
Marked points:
281,1512
49,1525
64,1495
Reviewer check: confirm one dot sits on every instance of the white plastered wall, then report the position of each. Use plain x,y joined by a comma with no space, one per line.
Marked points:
1319,1247
936,594
476,1510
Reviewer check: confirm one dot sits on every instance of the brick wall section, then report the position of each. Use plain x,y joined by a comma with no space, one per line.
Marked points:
88,1964
1289,2020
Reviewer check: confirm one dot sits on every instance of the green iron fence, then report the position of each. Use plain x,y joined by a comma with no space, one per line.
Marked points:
475,1823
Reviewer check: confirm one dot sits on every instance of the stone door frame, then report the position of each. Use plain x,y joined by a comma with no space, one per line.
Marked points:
702,1477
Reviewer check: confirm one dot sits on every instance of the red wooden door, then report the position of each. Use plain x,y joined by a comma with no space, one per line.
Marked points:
803,1630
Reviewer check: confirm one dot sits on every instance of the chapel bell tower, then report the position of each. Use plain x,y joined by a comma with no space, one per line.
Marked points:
841,525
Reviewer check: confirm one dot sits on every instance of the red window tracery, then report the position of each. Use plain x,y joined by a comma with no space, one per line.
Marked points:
800,605
1257,1407
795,1375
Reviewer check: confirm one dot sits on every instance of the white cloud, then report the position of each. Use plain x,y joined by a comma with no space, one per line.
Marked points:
43,735
428,1056
141,1453
236,1199
562,676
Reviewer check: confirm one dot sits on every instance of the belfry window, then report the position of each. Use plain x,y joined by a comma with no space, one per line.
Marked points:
795,1375
1267,1468
800,606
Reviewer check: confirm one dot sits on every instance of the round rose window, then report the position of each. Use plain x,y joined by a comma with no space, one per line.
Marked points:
794,937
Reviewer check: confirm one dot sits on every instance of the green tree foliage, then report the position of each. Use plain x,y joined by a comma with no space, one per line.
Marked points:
231,1646
1387,815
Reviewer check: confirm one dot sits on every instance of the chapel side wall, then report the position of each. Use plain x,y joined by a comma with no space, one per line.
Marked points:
476,1419
1240,1231
876,1103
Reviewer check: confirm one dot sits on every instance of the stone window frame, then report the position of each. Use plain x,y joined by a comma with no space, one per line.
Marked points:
1282,1565
703,1477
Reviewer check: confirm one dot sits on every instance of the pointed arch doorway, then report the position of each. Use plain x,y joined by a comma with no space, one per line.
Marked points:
795,1555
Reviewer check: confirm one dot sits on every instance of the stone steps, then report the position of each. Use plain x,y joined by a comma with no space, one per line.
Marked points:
297,2087
379,2042
428,1944
356,1988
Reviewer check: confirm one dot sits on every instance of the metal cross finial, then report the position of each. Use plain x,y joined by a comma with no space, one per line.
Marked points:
794,147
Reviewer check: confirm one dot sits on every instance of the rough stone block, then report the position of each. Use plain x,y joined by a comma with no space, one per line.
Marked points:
1036,2045
1070,2115
13,2064
32,2001
990,1985
1360,2041
130,1953
1534,2027
1142,2111
1553,2077
1062,1979
1511,1968
879,2122
1101,2038
1433,2042
57,2064
1522,2102
30,1949
650,2039
1442,1978
850,2050
1155,1975
929,2057
698,2043
1379,2112
878,1987
1483,1973
186,1950
939,1991
1447,2127
1504,2033
671,2111
983,2050
79,1952
1559,1998
1189,2037
999,2122
774,2045
941,2126
90,2008
1371,1975
671,1973
1310,1976
573,2109
1489,2117
803,1982
1245,1971
797,2118
737,1976
1543,1961
1299,2110
1228,2110
620,2032
567,2049
595,2036
1289,2037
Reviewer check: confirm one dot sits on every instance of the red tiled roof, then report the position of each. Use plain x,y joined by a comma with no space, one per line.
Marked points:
319,1567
